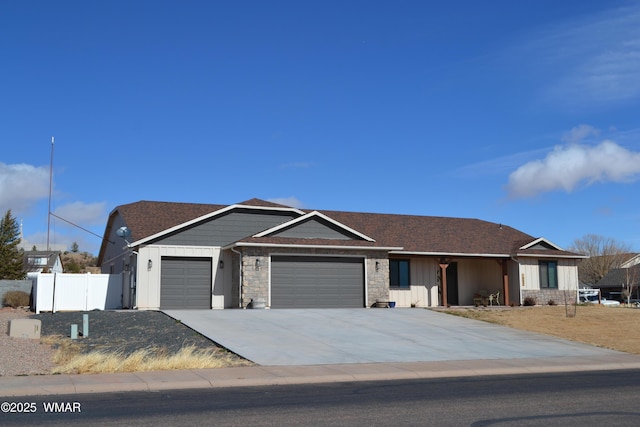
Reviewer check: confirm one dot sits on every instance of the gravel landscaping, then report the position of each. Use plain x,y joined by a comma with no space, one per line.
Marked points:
19,356
123,332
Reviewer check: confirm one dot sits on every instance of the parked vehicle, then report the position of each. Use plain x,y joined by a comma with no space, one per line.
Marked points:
592,298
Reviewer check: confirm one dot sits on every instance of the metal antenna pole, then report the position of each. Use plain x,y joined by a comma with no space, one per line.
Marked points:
50,187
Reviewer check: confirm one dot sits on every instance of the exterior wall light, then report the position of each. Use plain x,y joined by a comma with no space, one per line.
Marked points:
221,264
257,263
377,265
149,264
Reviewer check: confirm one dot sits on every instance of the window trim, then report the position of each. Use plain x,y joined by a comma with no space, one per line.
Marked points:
399,285
545,274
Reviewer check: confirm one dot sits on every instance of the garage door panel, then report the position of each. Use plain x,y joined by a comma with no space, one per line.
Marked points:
316,282
185,283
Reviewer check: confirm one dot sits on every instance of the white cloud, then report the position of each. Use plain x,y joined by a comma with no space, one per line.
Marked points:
83,214
567,166
590,61
24,187
21,186
579,133
288,201
496,166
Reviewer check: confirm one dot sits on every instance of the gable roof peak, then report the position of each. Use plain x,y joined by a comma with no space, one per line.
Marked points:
543,241
308,216
262,203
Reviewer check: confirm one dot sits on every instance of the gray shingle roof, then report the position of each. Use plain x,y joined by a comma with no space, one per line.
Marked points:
619,276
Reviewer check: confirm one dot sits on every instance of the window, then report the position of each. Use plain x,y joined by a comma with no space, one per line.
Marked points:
548,274
399,273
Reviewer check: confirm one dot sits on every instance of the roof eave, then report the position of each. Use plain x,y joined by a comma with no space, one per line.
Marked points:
301,245
457,254
565,256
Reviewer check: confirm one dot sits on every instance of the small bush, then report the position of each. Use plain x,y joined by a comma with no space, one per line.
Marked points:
529,301
16,299
551,302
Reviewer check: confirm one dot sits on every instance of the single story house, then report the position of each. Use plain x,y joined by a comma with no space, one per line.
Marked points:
618,281
254,253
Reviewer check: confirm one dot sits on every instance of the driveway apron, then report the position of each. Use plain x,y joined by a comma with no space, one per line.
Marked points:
338,336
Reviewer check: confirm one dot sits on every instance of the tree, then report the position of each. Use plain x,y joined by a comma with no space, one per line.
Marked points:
605,253
631,277
11,256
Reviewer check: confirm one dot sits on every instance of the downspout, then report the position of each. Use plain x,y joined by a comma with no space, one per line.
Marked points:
239,276
134,304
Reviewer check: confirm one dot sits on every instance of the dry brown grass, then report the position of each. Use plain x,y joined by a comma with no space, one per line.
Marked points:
70,360
617,328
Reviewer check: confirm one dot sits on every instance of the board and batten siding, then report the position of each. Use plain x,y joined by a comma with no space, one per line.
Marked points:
475,275
530,274
317,229
226,229
148,287
423,289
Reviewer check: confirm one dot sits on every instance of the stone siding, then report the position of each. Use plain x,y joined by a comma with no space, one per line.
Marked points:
255,278
378,279
546,296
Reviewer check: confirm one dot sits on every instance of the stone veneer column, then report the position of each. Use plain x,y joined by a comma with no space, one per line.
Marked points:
377,279
255,276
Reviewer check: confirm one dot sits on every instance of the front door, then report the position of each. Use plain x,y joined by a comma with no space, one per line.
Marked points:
452,284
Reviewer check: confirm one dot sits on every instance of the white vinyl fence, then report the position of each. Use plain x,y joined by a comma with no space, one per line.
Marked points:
77,292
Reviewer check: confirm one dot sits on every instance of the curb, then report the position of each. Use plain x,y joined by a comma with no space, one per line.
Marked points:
252,376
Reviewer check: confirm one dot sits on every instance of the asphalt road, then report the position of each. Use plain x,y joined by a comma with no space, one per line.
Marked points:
576,399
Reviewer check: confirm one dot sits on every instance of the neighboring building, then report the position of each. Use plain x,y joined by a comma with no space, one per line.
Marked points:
42,262
181,255
617,280
634,259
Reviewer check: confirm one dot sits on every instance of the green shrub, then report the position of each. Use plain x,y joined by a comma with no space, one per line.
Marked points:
16,299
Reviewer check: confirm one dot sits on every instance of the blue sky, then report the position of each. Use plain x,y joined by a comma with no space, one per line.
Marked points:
524,113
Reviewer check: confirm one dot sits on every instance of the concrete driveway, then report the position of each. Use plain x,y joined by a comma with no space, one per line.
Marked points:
338,336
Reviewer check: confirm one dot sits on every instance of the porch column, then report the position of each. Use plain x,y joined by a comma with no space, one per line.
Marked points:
443,282
505,281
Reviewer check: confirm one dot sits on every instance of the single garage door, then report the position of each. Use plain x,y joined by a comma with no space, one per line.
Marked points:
317,282
185,283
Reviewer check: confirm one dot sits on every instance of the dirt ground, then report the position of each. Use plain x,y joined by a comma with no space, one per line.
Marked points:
616,328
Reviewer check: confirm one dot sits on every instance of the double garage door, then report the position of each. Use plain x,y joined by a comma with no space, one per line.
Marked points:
317,282
185,283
